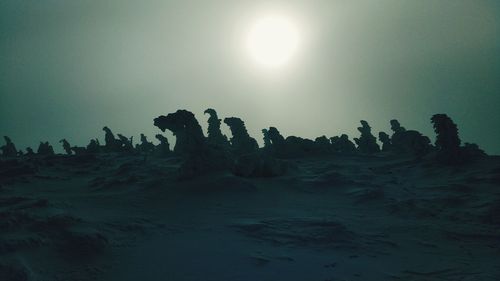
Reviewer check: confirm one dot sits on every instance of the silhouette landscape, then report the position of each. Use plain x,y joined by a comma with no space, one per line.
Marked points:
293,209
249,140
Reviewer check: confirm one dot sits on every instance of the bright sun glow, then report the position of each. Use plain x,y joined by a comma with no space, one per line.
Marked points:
272,41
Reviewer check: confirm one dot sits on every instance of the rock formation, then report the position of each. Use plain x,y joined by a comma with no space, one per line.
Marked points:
367,143
45,149
163,148
447,140
408,141
276,138
396,127
126,144
186,129
294,146
297,146
66,146
241,142
199,157
145,146
266,139
29,151
472,151
323,144
335,143
9,149
215,136
93,146
385,139
79,150
346,145
274,142
342,144
111,144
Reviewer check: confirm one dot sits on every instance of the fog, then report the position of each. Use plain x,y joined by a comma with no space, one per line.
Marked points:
67,68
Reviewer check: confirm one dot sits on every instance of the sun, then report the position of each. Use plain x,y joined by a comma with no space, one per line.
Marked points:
272,41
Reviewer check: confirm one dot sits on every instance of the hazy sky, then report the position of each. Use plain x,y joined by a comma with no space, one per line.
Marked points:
67,68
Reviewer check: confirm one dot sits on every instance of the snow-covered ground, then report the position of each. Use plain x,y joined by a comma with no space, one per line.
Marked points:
118,217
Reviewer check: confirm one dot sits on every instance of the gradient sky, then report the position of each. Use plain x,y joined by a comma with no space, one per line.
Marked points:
67,68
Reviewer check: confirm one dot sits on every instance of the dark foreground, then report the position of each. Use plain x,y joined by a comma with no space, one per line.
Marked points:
119,217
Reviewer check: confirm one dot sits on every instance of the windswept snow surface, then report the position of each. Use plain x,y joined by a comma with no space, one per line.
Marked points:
118,217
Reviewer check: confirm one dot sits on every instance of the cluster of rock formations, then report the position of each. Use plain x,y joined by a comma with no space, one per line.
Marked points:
241,142
242,155
121,144
215,136
366,143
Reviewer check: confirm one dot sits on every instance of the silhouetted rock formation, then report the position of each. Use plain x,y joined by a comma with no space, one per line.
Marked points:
29,151
293,146
274,142
186,129
126,144
241,142
79,150
346,145
163,148
385,140
396,127
408,141
45,149
199,157
145,146
111,144
297,146
66,146
447,140
215,136
323,144
275,136
367,143
343,144
93,146
9,149
250,162
278,142
267,140
335,143
472,151
241,154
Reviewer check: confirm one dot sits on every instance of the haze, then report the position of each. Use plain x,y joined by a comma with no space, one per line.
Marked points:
67,68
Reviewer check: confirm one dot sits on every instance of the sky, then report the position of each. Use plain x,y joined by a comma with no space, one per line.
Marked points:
68,68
